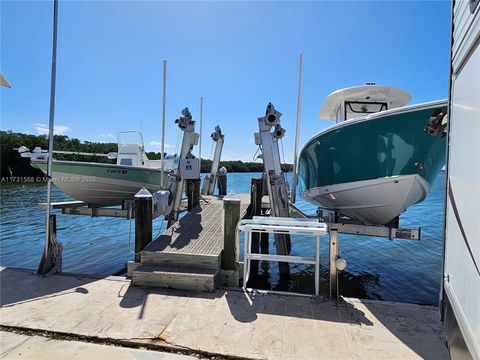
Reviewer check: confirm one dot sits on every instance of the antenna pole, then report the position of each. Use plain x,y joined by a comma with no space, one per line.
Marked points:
50,128
297,131
163,121
200,133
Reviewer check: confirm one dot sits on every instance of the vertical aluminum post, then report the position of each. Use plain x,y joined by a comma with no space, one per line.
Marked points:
317,265
50,128
163,120
200,121
297,132
332,263
246,269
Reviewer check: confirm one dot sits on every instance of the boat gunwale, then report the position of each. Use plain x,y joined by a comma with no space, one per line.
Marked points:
375,116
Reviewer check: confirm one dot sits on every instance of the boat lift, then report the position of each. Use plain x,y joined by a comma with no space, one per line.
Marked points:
189,167
281,208
273,175
210,180
166,202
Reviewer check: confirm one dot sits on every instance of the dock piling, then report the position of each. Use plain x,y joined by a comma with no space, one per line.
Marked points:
193,193
231,217
222,183
143,221
51,261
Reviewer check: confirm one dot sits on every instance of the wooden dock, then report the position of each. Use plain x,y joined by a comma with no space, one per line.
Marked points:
188,255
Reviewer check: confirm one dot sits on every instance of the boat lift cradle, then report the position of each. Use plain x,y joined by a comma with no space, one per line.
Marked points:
281,208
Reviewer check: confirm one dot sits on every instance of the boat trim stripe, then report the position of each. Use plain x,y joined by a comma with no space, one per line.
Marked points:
460,224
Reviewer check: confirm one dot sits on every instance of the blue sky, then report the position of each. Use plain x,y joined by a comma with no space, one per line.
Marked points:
237,55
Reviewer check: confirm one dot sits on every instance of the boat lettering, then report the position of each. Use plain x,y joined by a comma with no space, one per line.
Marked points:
116,171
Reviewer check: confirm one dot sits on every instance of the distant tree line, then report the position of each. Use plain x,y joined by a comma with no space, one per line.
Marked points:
13,165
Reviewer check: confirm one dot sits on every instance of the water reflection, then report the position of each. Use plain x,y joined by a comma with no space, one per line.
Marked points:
359,285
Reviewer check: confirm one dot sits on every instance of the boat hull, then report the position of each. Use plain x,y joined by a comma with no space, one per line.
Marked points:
101,184
374,167
374,201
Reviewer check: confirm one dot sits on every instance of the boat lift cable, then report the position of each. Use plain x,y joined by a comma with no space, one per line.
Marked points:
130,232
283,155
259,149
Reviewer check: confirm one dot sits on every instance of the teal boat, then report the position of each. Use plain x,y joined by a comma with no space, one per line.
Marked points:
378,159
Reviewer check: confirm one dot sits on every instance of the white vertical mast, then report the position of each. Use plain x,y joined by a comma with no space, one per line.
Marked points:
200,133
297,131
163,120
50,127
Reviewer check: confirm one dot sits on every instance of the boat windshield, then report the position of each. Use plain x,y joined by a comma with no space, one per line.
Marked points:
354,109
130,138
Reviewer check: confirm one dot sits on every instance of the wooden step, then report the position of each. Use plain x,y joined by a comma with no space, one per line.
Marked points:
183,260
175,277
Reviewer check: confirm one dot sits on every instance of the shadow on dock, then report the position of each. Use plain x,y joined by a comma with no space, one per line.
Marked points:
300,327
244,307
183,232
21,286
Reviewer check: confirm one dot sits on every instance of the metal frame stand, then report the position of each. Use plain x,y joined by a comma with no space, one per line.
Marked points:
82,208
282,226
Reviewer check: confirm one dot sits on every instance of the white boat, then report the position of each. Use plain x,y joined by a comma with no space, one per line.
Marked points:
107,184
378,159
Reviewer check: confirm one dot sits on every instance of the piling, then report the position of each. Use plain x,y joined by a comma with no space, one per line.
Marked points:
231,217
143,221
193,193
53,261
222,184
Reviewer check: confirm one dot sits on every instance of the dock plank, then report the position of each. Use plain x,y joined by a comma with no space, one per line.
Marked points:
199,231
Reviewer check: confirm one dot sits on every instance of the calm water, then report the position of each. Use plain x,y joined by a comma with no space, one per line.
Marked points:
377,268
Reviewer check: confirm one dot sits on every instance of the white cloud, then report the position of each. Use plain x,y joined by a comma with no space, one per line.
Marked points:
42,129
107,136
158,144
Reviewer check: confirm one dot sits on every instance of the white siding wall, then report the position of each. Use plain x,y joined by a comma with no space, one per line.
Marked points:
463,281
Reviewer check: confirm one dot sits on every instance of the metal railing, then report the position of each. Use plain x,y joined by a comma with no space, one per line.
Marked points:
280,225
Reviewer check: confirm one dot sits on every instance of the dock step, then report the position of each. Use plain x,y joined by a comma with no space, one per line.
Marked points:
181,260
175,277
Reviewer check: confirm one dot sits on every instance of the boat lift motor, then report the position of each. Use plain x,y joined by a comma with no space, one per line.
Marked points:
210,180
189,167
275,179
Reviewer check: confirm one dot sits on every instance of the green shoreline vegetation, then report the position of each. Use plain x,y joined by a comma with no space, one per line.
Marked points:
12,165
